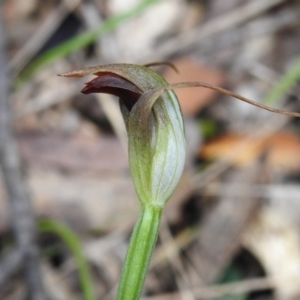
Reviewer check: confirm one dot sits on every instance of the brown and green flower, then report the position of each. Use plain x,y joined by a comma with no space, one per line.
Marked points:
154,124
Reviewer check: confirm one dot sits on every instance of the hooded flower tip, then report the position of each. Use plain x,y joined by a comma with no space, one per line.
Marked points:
115,85
88,89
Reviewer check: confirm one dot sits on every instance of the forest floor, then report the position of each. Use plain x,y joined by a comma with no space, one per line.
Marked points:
232,228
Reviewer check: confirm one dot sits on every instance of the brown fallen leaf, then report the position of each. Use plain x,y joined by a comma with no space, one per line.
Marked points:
282,150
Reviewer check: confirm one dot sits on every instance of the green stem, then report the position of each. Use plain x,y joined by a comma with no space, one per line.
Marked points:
139,253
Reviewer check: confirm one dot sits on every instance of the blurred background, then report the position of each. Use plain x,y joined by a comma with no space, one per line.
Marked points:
232,228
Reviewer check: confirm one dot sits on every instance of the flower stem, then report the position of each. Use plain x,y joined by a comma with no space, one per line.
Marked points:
139,253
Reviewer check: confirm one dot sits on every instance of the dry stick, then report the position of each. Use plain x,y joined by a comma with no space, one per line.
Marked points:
196,36
22,217
110,107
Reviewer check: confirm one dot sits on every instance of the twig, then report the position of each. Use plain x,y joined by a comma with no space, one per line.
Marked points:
22,217
268,191
195,37
111,108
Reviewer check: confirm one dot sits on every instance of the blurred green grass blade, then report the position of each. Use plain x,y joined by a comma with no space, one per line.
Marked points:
73,242
232,274
284,85
83,40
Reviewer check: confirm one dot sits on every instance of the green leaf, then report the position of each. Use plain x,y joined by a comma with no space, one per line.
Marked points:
208,128
284,85
73,242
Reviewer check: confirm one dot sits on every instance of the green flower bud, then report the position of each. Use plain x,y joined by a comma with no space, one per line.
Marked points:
154,124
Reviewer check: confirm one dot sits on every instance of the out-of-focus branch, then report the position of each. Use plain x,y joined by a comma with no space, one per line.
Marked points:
9,265
22,217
